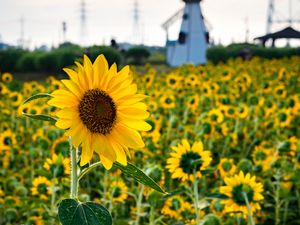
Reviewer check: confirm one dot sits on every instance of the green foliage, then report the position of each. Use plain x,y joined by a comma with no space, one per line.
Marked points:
37,96
137,55
222,54
72,212
27,63
138,175
112,55
9,59
53,61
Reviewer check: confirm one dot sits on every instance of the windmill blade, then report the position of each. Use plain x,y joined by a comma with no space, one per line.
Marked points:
172,19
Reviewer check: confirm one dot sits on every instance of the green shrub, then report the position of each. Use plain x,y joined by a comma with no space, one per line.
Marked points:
48,62
27,62
222,54
9,59
137,55
111,54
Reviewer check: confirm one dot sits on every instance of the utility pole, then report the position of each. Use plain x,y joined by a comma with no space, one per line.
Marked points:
247,30
274,17
270,16
64,30
136,23
83,30
21,41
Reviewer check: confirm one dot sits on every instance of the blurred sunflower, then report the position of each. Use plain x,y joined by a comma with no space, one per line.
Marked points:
101,111
60,146
283,118
237,189
148,79
56,85
263,157
173,207
242,111
7,140
57,165
186,161
167,101
226,74
3,89
226,167
16,98
118,191
193,102
7,77
215,116
173,81
41,187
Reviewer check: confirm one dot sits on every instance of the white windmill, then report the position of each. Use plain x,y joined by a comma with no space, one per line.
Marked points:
191,45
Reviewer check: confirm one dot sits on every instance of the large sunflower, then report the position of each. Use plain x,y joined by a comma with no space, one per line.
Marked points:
185,161
101,110
238,186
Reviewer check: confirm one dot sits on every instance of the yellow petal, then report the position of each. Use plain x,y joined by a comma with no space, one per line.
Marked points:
127,136
133,113
88,67
64,123
100,68
87,150
120,153
68,113
103,147
72,74
140,125
131,99
107,163
72,87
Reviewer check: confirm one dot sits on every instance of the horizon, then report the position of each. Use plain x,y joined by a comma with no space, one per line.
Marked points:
42,28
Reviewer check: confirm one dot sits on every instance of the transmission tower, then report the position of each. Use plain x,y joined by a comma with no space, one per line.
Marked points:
137,37
274,17
21,40
83,17
64,30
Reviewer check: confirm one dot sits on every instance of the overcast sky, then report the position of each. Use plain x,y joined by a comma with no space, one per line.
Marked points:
114,19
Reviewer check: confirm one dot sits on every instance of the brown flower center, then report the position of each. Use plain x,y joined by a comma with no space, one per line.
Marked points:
97,111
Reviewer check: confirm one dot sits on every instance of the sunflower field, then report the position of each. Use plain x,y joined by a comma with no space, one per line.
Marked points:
218,144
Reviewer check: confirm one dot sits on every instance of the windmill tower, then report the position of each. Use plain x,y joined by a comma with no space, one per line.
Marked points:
192,39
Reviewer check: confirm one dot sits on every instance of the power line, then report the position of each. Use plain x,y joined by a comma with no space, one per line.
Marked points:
273,14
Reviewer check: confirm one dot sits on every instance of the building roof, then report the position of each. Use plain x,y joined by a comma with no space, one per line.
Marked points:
288,32
190,1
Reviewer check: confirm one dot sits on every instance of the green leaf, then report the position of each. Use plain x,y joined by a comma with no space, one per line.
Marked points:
171,194
139,176
207,171
217,195
37,96
41,117
72,212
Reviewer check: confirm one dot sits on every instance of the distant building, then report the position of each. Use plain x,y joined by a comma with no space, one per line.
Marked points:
4,46
191,45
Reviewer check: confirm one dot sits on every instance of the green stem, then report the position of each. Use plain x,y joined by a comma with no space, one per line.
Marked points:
152,216
88,169
139,205
74,178
286,208
277,201
250,216
196,199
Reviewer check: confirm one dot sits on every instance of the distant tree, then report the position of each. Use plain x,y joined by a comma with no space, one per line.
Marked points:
137,55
